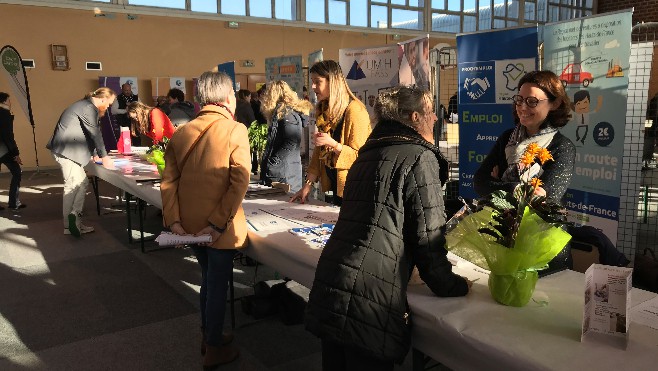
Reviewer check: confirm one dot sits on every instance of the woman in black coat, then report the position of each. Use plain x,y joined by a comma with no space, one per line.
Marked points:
9,154
286,115
391,220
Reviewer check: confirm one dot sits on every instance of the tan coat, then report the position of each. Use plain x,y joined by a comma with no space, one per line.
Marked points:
210,186
356,129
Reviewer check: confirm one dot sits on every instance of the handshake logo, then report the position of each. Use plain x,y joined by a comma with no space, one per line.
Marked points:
476,87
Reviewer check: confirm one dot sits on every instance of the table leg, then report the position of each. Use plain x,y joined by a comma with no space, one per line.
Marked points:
130,226
94,185
420,362
140,207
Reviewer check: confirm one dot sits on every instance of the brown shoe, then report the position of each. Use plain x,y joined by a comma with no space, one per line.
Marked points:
227,338
221,355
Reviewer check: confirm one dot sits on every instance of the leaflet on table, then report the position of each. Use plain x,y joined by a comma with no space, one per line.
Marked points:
318,235
607,301
261,220
305,213
646,313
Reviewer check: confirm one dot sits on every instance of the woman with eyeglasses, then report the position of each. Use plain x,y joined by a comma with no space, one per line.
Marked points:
540,108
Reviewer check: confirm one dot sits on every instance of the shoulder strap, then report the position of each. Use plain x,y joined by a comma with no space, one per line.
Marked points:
189,151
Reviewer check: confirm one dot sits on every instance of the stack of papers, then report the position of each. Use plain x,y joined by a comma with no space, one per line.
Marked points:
172,239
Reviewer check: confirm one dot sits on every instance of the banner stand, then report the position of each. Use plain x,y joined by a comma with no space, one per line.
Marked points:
12,64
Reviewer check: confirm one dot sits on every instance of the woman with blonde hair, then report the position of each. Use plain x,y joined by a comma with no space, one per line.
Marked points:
343,126
286,115
149,121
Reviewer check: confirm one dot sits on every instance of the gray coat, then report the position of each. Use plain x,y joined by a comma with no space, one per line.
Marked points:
78,133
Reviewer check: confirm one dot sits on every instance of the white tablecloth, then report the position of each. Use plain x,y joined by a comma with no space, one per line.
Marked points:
468,333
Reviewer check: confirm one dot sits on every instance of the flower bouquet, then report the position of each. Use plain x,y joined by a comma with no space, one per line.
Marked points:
155,154
513,235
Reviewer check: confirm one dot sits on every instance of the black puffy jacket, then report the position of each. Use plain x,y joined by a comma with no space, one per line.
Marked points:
391,220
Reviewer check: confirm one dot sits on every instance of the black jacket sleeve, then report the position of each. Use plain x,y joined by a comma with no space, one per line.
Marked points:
557,173
7,132
424,221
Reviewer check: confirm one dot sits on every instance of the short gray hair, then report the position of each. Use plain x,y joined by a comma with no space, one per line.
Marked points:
214,87
399,103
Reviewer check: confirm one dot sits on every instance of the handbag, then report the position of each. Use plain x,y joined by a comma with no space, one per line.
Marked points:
645,270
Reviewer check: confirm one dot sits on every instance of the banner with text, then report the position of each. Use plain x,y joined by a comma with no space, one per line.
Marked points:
369,71
490,65
591,57
109,125
287,68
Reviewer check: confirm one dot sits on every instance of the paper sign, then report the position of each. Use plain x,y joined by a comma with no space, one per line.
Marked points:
607,301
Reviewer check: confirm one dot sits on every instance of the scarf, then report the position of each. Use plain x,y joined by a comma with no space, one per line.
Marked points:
517,144
324,125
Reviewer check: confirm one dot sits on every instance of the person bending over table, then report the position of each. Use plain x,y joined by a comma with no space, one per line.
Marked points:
203,185
343,126
149,121
286,114
78,137
391,220
541,108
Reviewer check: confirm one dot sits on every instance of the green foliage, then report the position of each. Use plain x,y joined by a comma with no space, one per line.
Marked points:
155,154
257,136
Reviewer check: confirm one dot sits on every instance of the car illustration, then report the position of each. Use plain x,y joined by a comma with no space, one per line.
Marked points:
573,74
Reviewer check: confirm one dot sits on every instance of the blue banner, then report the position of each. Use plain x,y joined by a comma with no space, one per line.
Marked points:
591,57
229,69
490,66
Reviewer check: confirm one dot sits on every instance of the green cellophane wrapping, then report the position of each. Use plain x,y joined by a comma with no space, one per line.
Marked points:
513,269
157,157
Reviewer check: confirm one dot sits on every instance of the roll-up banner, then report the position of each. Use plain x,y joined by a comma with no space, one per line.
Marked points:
490,65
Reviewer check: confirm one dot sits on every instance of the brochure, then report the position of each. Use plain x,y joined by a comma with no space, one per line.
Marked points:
607,301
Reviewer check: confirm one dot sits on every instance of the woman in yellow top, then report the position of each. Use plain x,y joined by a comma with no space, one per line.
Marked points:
343,126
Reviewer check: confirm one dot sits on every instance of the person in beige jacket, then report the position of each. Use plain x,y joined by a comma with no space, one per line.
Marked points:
203,184
343,127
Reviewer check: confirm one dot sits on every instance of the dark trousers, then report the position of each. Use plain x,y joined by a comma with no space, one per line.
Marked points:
15,184
254,162
216,269
336,357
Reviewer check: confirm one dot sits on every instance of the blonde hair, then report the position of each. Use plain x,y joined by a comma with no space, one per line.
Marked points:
279,92
101,93
142,122
339,93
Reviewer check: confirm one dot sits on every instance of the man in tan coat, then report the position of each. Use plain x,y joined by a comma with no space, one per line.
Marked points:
203,185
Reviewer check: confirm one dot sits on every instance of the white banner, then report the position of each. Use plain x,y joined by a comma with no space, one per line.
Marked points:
369,71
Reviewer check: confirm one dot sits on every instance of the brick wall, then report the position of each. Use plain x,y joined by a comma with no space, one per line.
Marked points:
644,10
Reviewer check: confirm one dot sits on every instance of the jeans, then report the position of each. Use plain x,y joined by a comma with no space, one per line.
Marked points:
75,187
216,269
336,357
15,184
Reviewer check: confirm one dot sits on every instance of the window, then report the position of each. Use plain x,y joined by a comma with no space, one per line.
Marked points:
176,4
449,16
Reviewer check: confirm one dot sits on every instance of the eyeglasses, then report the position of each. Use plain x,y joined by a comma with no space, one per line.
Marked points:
531,102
